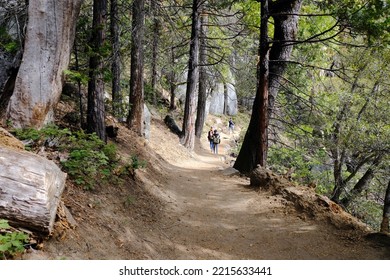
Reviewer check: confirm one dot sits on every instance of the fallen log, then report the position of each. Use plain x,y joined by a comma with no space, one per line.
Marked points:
171,124
30,189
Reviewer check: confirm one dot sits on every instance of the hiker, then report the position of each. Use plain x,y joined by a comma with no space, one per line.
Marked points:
231,126
216,141
210,138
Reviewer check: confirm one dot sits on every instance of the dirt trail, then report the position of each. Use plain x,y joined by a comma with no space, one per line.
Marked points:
195,207
215,215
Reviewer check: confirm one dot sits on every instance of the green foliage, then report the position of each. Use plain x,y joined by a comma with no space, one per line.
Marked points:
7,43
76,76
90,161
137,163
11,243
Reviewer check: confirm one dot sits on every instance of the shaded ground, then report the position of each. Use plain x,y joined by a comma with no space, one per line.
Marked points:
192,206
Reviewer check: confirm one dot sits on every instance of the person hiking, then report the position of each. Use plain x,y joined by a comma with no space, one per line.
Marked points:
210,138
231,126
216,141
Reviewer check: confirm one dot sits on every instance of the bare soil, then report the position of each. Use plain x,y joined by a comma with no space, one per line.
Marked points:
193,205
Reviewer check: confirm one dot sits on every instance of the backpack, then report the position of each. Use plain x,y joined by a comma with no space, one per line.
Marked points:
216,139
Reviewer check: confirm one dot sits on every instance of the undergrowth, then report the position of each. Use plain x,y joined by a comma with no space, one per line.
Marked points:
87,159
11,242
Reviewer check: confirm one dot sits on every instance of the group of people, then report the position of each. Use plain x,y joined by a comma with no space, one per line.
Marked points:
215,139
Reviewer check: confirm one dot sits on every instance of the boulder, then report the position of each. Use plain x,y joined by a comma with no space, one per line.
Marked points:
30,189
146,119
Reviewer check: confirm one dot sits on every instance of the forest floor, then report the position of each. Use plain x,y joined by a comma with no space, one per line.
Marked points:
192,205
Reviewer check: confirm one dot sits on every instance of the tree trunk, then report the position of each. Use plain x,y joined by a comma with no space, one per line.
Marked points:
172,82
285,15
48,43
386,211
135,118
30,189
188,131
96,110
254,147
116,62
202,94
363,183
156,37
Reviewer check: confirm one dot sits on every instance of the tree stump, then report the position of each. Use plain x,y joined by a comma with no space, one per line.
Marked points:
30,189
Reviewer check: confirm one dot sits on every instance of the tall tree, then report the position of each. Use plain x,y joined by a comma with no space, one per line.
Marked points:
135,118
188,131
116,61
156,36
48,43
254,148
284,12
202,94
95,109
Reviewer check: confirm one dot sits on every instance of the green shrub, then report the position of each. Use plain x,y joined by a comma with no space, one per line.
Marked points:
90,159
137,163
11,243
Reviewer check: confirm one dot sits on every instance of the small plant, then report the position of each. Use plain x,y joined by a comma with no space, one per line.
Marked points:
136,163
90,159
130,200
11,243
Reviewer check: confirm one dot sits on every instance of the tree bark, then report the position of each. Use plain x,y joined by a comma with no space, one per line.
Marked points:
116,62
254,147
285,15
188,131
48,43
202,94
96,110
386,211
135,118
363,183
30,189
172,82
156,37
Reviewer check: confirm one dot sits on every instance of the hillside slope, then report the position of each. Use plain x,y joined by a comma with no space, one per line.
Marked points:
193,206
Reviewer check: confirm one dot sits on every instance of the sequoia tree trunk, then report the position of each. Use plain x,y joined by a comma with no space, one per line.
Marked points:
48,44
188,131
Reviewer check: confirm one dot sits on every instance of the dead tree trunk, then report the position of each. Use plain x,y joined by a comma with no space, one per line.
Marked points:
49,40
30,189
